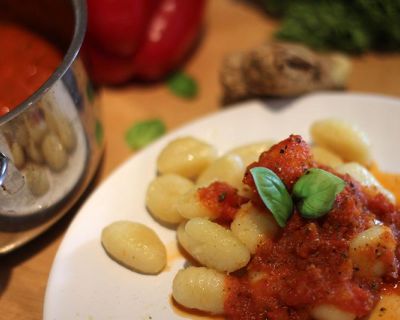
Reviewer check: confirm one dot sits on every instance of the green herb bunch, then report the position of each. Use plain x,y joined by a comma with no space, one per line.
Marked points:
352,26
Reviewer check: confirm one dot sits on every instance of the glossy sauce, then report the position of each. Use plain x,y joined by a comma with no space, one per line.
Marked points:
222,199
308,263
26,62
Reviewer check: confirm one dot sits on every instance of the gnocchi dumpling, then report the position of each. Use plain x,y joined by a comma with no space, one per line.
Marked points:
190,206
54,152
213,245
250,152
163,194
326,157
200,288
252,227
186,156
388,308
18,155
62,127
229,169
330,312
36,179
363,176
370,249
34,153
135,246
342,138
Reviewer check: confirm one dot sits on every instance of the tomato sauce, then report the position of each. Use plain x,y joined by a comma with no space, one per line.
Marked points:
26,62
308,263
222,199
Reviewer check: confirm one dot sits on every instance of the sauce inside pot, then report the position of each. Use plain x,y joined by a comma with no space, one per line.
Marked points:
26,62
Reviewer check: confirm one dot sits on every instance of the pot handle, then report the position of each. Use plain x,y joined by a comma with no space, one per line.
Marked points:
11,179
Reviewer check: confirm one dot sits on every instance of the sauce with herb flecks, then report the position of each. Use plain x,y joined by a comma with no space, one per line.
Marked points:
26,62
222,199
308,263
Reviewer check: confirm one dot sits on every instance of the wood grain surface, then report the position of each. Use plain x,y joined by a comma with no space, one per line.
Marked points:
230,26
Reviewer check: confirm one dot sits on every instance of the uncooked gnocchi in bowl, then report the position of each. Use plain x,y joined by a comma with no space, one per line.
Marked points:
275,230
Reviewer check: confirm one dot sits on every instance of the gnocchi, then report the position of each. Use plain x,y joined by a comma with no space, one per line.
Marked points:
37,180
250,152
206,240
186,156
331,312
252,226
162,197
326,157
248,263
135,246
62,128
344,139
54,152
200,288
372,250
229,169
362,175
190,206
34,153
18,155
388,308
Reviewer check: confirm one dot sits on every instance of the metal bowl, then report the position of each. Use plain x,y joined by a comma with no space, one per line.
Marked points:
51,144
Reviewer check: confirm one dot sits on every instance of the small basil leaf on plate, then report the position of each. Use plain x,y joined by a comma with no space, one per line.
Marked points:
317,190
273,193
182,85
144,132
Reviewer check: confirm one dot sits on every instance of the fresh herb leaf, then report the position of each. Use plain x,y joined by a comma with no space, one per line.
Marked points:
182,85
273,193
351,26
317,190
143,133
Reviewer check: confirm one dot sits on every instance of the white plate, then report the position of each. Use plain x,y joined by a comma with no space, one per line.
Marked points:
86,284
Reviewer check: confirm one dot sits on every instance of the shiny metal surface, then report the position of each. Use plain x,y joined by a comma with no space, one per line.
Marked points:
3,168
51,143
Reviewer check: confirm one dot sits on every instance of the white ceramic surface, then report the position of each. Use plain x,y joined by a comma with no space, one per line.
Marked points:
86,284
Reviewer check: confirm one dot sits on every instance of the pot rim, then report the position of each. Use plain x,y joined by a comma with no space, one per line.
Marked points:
80,15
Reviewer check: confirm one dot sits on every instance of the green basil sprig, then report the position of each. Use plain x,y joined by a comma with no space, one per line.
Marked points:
317,190
273,193
315,193
183,85
144,132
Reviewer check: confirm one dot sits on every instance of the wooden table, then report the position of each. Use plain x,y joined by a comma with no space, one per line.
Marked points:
230,26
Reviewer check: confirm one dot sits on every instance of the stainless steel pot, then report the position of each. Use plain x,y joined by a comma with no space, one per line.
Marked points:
51,144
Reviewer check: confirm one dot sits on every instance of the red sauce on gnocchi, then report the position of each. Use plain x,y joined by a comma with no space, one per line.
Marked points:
26,62
308,263
222,199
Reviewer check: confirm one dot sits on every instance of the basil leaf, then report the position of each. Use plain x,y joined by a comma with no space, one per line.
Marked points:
317,190
143,133
273,193
182,85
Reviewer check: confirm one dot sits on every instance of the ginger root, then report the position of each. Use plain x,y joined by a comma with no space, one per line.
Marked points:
281,69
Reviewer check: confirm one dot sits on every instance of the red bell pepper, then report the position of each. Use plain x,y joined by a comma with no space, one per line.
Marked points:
104,67
144,39
170,35
118,26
